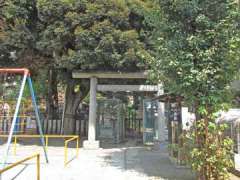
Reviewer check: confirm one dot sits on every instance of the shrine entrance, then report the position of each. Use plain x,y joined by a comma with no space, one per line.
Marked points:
110,118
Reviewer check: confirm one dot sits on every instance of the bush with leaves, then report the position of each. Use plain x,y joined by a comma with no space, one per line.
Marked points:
214,155
197,55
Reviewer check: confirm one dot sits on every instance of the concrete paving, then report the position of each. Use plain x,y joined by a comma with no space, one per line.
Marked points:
123,162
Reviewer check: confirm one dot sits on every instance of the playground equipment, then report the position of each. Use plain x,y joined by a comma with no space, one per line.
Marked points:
25,122
66,149
13,114
20,118
37,156
67,140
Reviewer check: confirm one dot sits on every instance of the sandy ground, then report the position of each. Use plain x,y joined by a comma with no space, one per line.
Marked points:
125,162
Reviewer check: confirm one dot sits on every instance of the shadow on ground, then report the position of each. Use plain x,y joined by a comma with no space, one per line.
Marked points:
152,162
124,161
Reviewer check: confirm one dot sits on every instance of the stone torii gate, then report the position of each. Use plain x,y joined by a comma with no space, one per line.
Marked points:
92,143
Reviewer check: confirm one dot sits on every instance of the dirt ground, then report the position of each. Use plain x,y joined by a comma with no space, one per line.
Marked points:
123,162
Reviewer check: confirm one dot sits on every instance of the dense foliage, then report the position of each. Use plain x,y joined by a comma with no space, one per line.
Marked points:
197,56
72,34
79,34
197,50
200,42
20,29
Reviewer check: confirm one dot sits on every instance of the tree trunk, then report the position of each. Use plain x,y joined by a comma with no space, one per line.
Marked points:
52,100
73,100
201,140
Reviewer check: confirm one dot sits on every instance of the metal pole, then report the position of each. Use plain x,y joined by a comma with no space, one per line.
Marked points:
15,146
14,120
37,117
46,142
65,153
63,113
77,146
38,166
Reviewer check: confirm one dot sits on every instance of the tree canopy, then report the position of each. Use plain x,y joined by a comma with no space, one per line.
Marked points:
197,47
192,47
20,28
77,34
86,35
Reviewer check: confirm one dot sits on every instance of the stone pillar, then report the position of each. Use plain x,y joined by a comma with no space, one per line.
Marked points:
161,116
161,122
91,143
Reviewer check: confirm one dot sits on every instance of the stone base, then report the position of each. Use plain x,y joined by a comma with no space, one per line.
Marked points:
91,144
237,161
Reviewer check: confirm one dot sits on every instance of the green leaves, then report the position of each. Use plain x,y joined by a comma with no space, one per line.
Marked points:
211,150
197,56
194,56
99,32
212,127
103,34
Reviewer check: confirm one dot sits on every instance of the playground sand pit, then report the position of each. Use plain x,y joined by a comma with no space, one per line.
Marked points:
119,163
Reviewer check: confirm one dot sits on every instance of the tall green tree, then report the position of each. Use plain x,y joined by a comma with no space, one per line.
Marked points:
79,34
89,36
20,30
197,56
18,47
4,53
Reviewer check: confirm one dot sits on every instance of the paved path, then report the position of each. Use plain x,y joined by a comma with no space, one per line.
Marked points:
122,163
119,163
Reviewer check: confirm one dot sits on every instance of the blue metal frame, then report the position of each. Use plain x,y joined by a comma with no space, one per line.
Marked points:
26,78
9,140
39,124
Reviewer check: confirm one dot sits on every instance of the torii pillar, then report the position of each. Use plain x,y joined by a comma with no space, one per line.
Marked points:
92,143
161,116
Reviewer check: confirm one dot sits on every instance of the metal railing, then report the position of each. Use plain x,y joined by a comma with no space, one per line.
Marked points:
37,156
66,149
72,138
